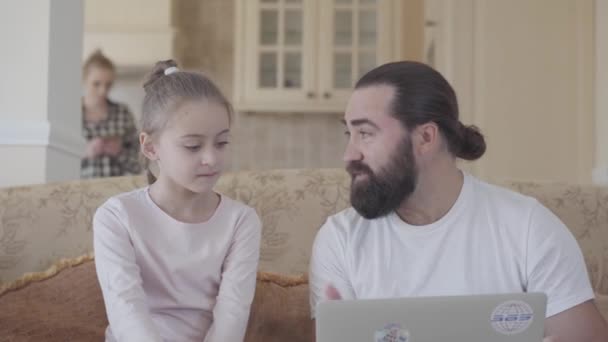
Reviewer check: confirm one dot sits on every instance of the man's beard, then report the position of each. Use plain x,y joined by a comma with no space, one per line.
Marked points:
382,193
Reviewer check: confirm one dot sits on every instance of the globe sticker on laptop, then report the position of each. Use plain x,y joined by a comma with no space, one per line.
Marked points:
392,333
512,317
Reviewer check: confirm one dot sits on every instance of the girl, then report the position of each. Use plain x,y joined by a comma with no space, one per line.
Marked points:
108,127
175,260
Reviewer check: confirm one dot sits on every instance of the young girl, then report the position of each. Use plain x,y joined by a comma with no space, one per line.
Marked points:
107,126
177,261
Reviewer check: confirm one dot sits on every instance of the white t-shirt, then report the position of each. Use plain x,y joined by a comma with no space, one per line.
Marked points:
492,240
165,280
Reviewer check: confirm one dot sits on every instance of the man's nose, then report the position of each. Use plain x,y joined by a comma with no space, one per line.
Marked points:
352,153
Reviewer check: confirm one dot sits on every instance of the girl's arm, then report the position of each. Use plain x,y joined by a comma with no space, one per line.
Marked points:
120,279
237,287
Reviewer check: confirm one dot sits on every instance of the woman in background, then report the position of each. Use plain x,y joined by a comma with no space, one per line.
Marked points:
108,127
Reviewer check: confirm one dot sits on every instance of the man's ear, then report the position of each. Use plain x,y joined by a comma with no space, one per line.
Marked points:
148,149
426,137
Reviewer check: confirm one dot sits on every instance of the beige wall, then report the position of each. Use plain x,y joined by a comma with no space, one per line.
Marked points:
524,74
134,33
535,89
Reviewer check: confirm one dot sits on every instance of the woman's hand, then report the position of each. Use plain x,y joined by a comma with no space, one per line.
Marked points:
95,148
112,146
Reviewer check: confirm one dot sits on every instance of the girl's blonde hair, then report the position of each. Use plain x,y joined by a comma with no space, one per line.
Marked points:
97,59
166,92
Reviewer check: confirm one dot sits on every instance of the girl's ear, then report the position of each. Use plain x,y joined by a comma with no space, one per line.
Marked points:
148,149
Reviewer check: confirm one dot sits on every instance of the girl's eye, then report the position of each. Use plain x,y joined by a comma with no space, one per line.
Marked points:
222,144
193,147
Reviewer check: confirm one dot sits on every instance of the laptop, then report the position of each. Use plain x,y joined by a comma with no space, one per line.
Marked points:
480,318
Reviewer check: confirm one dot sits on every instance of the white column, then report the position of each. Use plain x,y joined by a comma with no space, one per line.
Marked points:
600,173
40,89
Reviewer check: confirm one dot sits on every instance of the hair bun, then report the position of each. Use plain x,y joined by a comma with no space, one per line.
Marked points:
158,71
473,144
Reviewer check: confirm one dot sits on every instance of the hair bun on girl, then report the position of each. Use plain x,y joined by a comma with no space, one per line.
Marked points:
160,69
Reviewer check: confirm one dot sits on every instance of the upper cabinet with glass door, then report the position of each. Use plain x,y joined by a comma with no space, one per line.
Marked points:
306,55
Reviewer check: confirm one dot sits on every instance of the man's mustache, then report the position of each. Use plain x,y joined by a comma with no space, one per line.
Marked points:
358,167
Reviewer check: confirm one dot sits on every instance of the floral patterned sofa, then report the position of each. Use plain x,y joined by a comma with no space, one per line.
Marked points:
43,227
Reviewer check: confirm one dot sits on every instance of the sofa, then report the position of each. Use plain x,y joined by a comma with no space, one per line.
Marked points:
48,288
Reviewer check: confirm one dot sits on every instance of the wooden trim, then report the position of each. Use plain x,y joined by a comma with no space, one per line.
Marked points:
585,89
52,271
239,41
600,172
408,18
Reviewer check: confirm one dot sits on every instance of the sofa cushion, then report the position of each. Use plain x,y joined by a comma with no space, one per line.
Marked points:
280,310
62,304
65,304
602,304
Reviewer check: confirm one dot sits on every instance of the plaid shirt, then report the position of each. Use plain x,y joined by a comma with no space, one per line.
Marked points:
118,124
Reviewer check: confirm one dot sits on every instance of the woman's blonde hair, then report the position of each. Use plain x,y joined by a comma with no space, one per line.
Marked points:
97,59
165,92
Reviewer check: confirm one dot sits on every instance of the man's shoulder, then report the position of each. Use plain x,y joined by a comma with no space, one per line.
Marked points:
500,198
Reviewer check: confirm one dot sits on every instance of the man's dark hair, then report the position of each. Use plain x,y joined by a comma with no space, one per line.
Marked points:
422,95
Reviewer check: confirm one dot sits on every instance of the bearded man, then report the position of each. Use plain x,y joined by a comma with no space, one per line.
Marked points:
420,226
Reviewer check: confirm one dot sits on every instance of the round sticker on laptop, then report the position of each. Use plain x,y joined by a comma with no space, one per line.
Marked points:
392,333
512,317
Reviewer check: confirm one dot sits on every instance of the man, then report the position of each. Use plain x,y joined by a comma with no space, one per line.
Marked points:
419,226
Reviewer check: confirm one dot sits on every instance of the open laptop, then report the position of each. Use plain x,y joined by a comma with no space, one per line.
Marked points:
480,318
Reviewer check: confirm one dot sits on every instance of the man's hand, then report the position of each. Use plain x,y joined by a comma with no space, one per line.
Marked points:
332,293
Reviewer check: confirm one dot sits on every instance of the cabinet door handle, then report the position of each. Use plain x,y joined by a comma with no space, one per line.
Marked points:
310,95
327,95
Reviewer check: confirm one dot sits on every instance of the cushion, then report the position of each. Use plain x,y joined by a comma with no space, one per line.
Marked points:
602,304
280,310
65,304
